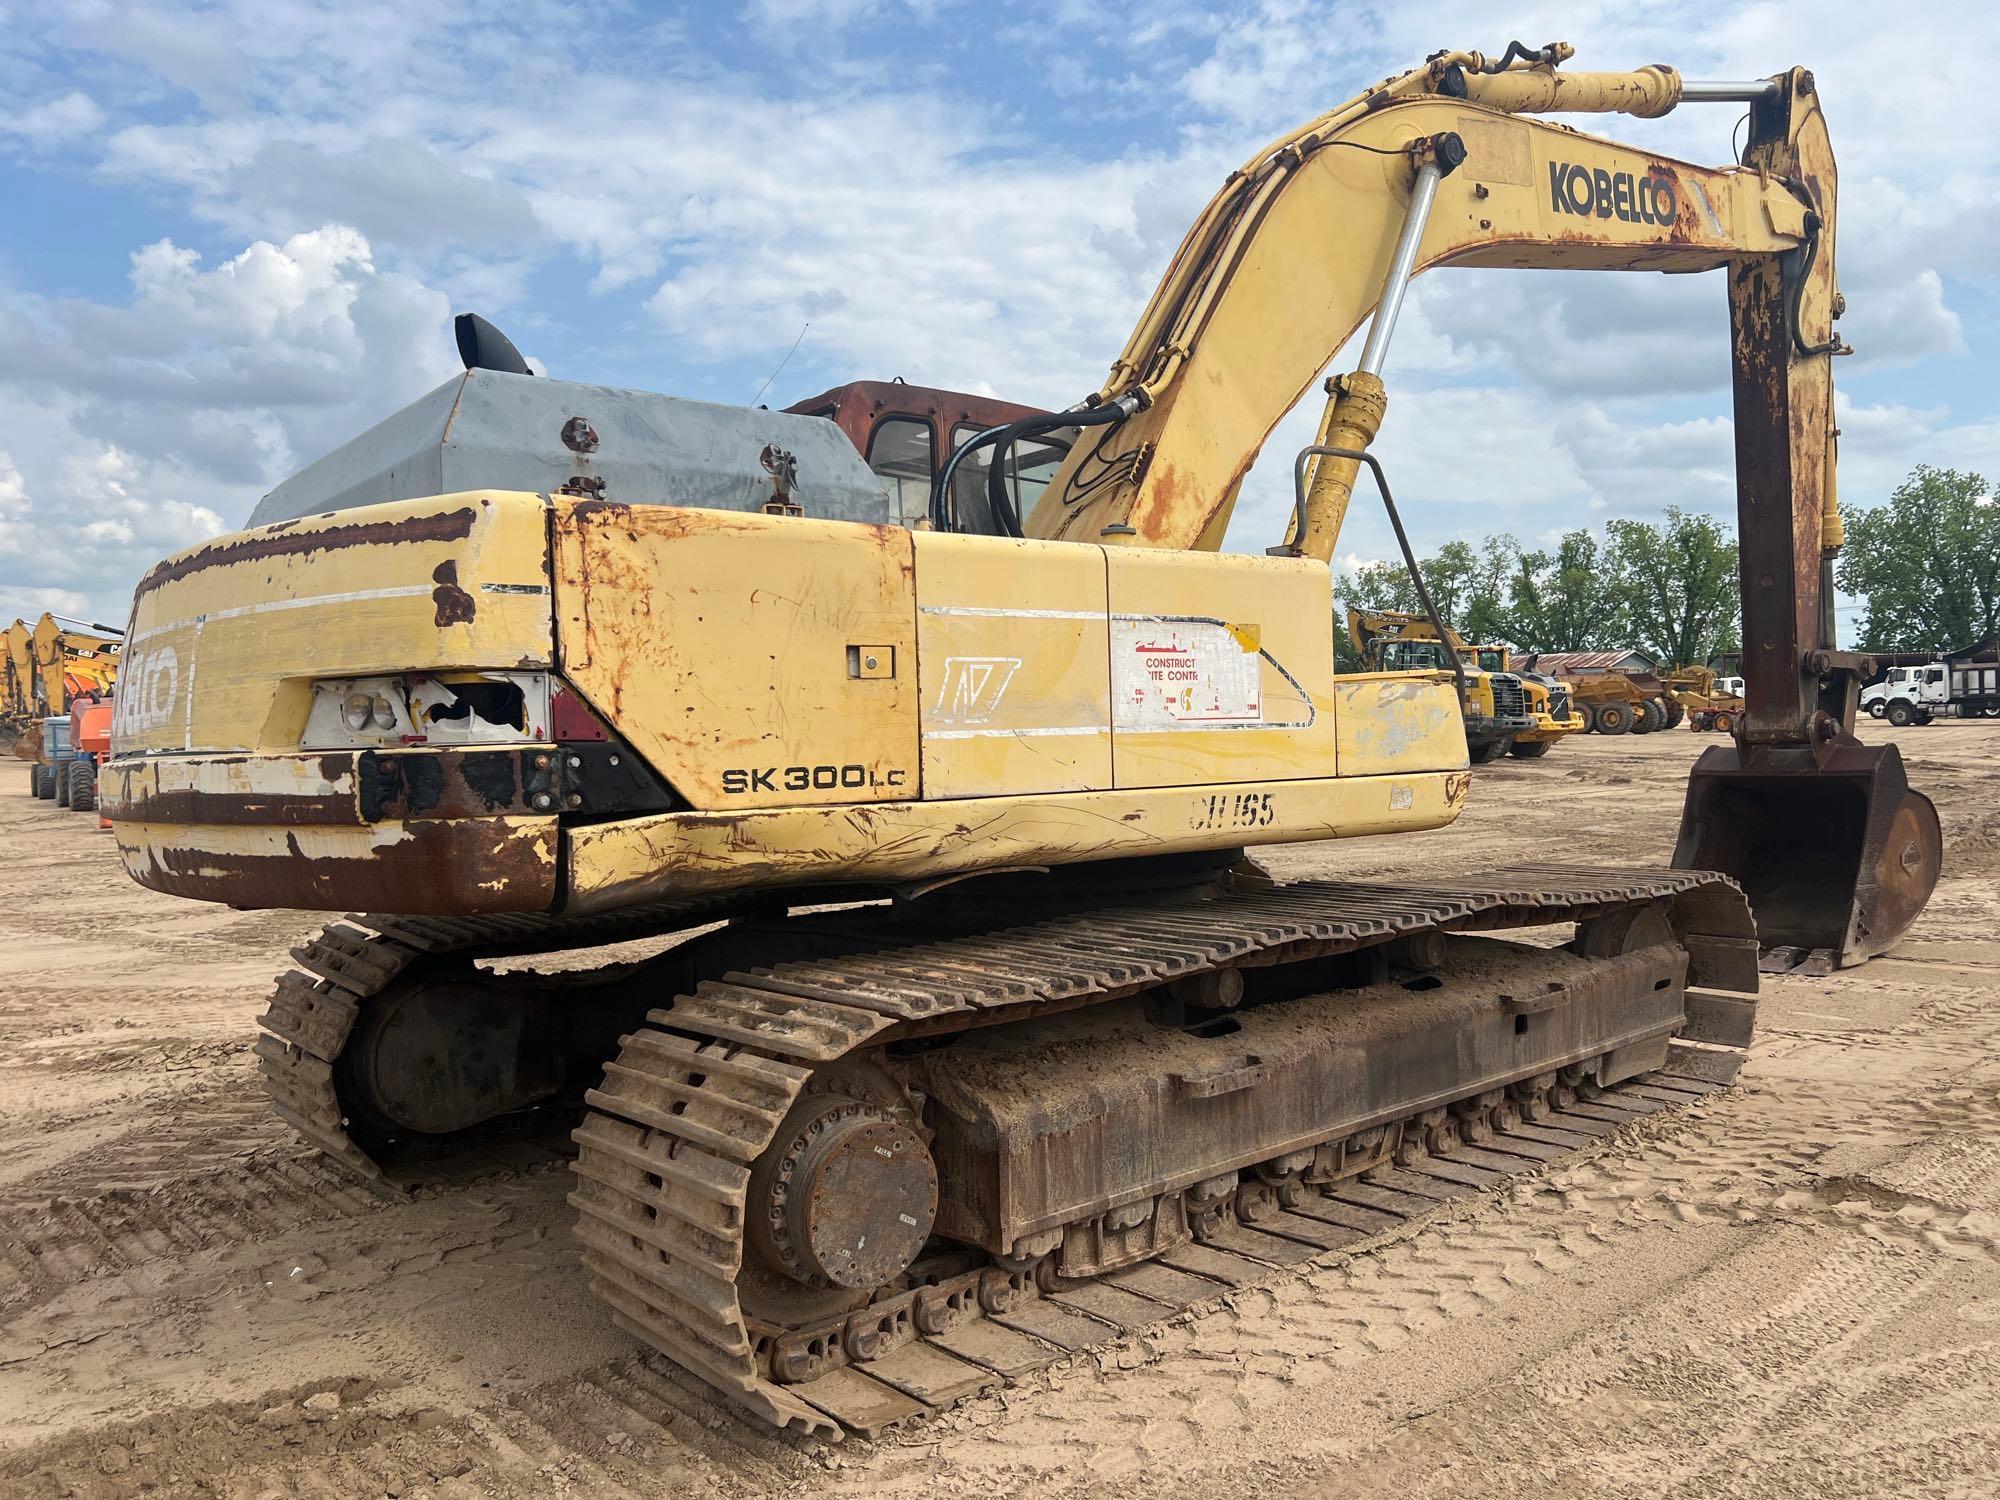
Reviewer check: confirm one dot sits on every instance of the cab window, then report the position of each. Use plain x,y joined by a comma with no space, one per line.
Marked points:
1493,661
1412,656
1032,465
899,451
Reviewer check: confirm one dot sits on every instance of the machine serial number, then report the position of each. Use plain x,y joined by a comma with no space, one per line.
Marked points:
807,779
1234,810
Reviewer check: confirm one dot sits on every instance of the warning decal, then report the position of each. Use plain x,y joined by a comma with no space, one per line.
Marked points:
1175,672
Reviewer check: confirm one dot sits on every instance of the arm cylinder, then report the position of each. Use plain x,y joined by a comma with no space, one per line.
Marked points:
1645,92
1717,91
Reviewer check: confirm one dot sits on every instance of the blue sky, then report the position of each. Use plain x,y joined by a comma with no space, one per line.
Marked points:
234,234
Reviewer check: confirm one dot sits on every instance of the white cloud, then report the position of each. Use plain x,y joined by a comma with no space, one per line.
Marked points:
31,604
54,121
143,427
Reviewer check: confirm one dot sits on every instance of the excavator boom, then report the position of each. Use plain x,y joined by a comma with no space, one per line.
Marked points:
1446,165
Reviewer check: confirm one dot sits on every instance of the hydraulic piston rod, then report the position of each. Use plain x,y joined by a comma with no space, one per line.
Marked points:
1402,265
1356,402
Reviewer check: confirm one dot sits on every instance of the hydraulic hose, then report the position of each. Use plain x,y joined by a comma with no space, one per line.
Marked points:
1002,439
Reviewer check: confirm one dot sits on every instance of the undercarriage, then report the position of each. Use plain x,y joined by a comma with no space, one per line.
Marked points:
817,1143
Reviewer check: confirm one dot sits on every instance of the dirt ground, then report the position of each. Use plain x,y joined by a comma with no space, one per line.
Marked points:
1791,1288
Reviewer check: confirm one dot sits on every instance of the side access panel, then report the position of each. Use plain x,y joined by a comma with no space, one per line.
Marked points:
754,661
1221,668
1012,639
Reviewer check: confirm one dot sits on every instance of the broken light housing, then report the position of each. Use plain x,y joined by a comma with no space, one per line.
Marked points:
428,708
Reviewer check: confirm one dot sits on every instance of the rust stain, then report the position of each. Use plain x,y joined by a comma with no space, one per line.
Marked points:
450,868
454,605
446,526
362,787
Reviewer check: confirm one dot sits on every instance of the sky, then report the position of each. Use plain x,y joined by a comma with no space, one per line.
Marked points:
234,234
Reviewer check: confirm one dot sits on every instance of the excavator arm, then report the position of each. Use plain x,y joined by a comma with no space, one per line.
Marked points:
71,657
1366,626
1448,165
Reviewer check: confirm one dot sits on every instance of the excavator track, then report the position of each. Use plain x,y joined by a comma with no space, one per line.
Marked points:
314,1008
682,1126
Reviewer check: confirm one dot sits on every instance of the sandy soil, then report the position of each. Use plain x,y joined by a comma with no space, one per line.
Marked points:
1792,1288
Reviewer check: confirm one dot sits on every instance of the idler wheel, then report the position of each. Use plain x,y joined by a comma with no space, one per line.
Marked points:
852,1195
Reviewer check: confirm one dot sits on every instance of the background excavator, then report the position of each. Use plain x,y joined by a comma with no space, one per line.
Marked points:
1506,712
48,667
969,1001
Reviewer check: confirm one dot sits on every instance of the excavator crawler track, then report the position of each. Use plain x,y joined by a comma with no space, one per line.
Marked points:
314,1008
670,1149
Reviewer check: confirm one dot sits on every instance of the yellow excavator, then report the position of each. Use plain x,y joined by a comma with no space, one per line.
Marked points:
975,1003
17,679
46,666
1506,712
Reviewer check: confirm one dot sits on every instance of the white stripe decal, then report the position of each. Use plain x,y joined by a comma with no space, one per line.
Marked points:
403,591
1003,734
980,613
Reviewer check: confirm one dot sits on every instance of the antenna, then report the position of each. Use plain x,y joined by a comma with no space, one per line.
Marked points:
781,364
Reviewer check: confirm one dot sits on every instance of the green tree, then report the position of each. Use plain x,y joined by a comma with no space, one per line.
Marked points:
1372,586
1927,563
1679,586
1565,600
1465,584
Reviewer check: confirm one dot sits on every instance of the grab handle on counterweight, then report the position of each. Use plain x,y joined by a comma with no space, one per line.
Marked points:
1395,521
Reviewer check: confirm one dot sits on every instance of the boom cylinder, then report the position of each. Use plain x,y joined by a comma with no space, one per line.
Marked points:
1355,406
1356,403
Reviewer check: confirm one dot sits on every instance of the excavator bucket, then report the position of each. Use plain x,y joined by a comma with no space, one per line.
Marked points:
1836,853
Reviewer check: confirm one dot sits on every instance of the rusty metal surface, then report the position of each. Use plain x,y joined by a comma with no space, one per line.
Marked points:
286,540
858,407
1837,854
1160,1110
673,1140
440,865
339,787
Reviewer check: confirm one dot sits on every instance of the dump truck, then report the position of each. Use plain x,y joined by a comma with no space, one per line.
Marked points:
1611,699
1706,701
1963,685
966,992
1493,704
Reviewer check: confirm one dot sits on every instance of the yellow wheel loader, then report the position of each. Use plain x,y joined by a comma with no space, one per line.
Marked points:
977,1032
1494,702
1548,703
